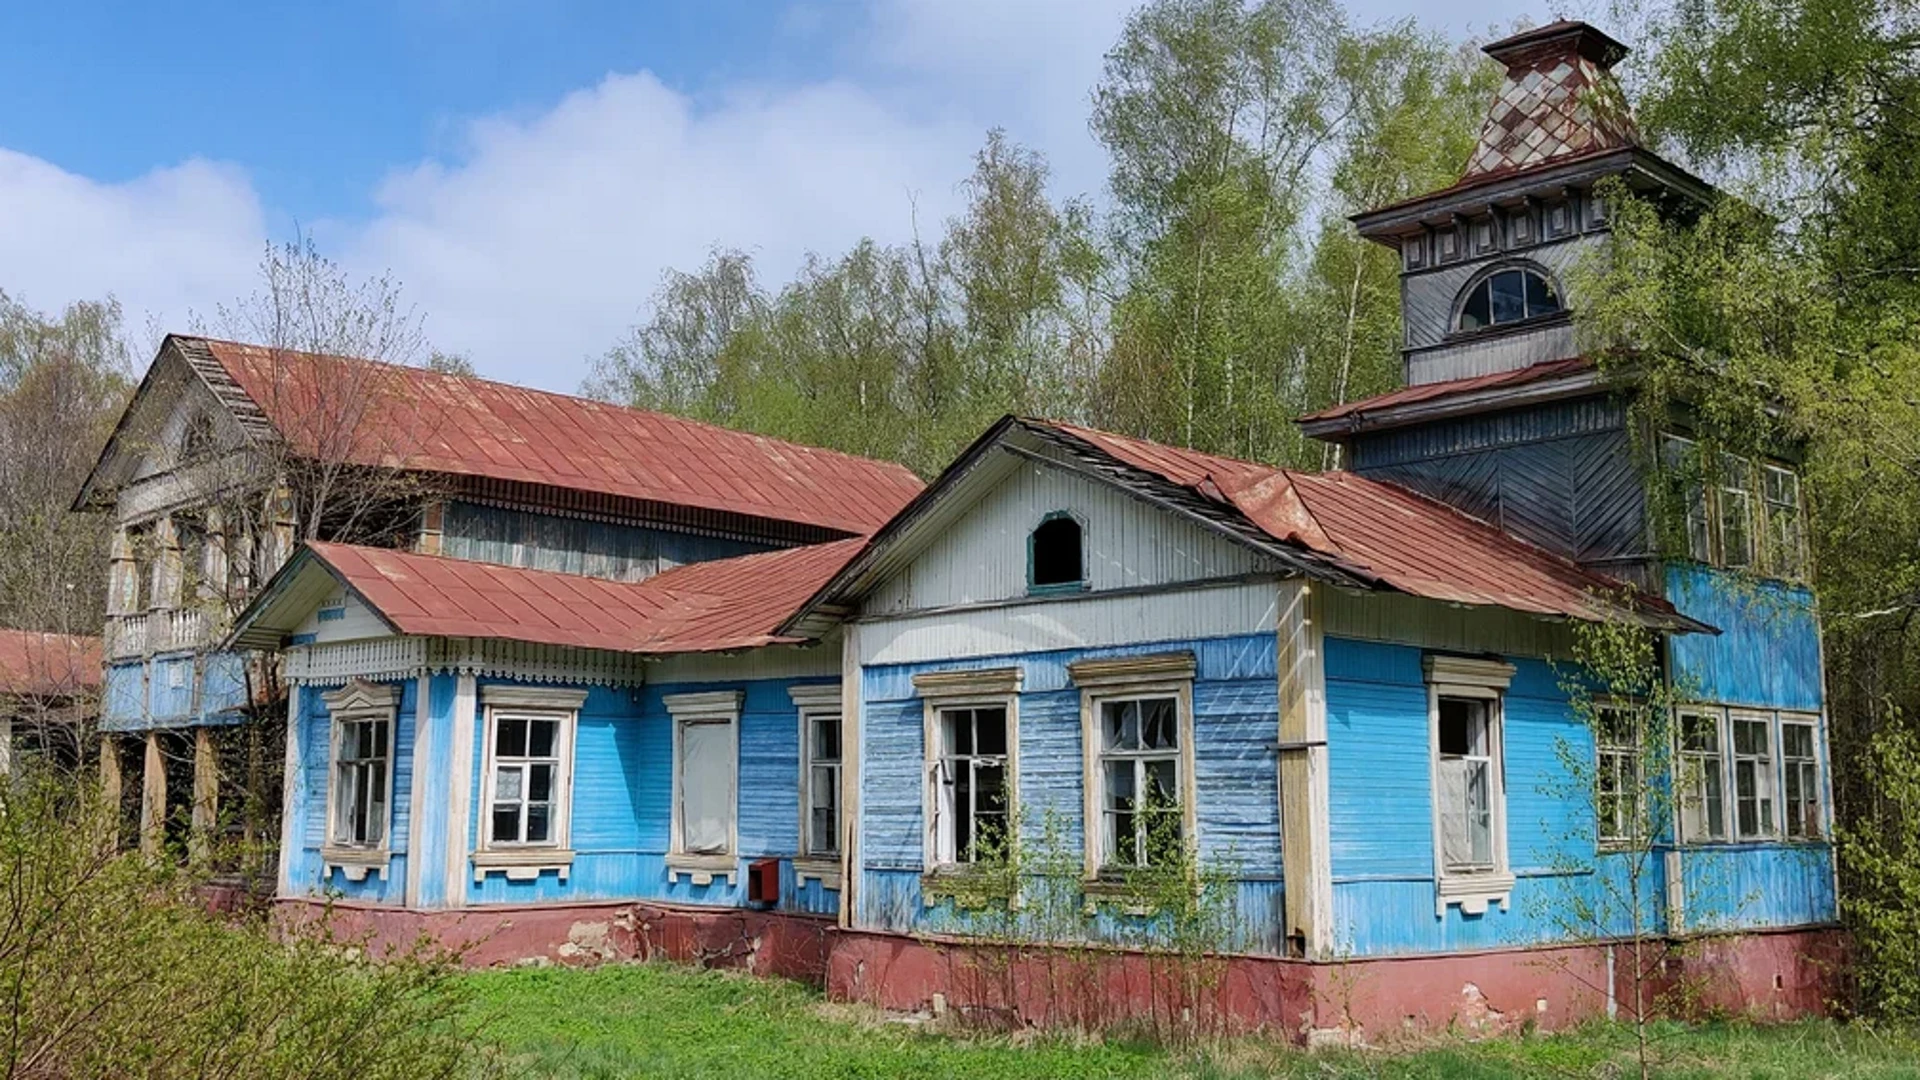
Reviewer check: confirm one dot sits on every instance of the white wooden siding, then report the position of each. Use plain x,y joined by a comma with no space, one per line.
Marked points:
1081,622
1127,544
355,623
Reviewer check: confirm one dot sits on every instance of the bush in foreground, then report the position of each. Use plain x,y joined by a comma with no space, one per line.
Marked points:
110,967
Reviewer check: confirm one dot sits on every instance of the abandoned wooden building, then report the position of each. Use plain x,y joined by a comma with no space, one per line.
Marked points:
607,681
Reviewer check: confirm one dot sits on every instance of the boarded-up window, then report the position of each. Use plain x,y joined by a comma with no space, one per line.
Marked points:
706,785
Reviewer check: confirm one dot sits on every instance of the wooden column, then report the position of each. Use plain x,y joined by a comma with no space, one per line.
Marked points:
1304,837
206,795
110,790
153,798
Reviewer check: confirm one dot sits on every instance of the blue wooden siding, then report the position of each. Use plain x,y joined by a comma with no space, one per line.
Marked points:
574,545
176,690
1381,827
1559,475
1237,814
306,804
1767,654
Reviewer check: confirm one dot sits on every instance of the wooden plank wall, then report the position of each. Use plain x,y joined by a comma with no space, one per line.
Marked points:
575,545
1561,476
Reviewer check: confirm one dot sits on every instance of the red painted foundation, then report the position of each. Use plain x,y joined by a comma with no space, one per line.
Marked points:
1768,975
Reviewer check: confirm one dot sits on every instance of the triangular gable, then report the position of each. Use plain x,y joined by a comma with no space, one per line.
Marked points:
290,607
146,439
1010,444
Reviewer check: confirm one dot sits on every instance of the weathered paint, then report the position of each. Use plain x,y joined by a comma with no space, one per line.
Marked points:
1125,544
1382,839
575,545
174,690
306,805
1235,702
1767,654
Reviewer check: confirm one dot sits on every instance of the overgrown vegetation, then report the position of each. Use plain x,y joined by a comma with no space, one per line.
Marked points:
111,966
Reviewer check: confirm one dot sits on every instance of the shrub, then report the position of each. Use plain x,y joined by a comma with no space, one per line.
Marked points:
111,967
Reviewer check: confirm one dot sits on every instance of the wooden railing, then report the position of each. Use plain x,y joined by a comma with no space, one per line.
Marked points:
155,632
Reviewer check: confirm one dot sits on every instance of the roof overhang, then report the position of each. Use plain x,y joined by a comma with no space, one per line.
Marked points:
1580,382
302,583
1642,170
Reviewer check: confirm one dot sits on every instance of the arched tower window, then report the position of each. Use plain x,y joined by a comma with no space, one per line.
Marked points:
1055,559
1508,295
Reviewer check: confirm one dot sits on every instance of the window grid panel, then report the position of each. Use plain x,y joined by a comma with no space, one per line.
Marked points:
971,815
1142,801
822,825
526,769
1800,800
1466,784
360,778
1618,796
1702,787
1753,778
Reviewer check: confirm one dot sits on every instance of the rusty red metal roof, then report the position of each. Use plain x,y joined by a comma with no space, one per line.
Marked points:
716,606
1388,534
38,664
360,411
1440,391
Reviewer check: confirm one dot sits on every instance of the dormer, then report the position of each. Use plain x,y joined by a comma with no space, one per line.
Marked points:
1488,264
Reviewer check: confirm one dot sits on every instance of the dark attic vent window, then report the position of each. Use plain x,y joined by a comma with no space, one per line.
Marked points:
1056,560
1509,296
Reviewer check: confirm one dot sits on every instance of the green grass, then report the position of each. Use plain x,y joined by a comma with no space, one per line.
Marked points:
663,1021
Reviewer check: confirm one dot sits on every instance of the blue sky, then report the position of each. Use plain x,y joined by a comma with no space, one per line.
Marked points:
528,170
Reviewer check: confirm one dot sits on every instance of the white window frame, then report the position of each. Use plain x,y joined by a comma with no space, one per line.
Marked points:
1736,479
1633,751
1697,512
1814,763
357,702
1767,774
1721,757
520,860
941,691
814,702
1485,680
1131,678
707,707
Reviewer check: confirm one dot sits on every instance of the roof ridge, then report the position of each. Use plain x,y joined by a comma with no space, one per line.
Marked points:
555,394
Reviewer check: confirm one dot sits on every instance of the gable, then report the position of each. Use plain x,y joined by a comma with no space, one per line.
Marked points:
980,553
340,616
141,470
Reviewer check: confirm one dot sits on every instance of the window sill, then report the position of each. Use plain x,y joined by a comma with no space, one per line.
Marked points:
1068,588
701,869
962,882
522,864
1112,890
1473,892
356,862
825,871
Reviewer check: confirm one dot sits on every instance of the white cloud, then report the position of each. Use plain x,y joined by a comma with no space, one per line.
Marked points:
178,238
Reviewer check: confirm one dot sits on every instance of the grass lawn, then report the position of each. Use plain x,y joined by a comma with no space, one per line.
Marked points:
659,1020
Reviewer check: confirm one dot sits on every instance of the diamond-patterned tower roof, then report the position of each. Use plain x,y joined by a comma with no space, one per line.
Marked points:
1560,99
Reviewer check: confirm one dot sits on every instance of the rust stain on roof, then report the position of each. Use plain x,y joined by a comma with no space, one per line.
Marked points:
1397,537
723,605
48,665
1438,391
368,413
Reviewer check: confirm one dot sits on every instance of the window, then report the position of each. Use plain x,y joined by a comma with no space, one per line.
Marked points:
821,747
705,782
1680,462
361,759
1753,776
1702,791
1136,717
1736,512
970,785
1140,782
360,782
1508,296
1469,796
527,780
1786,546
1618,798
1800,765
1055,555
1466,783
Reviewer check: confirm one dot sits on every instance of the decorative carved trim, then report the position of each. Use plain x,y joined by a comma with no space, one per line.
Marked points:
816,696
705,705
702,869
1473,892
410,657
362,696
1120,670
825,871
533,697
356,862
1468,671
977,682
521,864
